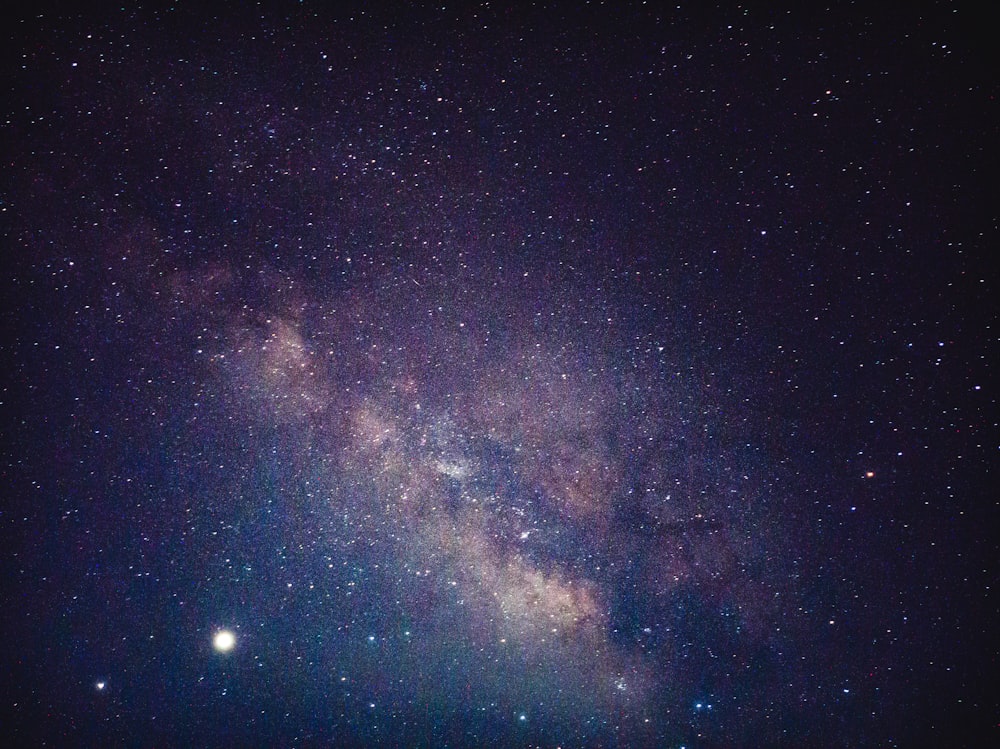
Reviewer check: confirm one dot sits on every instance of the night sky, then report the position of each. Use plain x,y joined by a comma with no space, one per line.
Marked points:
575,375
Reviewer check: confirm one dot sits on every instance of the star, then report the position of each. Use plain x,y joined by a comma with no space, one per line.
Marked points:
224,641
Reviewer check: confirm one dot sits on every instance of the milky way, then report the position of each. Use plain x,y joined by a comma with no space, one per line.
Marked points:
567,376
541,539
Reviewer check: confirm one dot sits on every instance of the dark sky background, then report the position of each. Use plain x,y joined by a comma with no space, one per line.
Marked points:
572,375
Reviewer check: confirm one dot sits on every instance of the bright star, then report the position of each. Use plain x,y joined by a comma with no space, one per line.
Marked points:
224,641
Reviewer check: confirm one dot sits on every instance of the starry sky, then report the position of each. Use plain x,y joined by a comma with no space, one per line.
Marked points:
591,374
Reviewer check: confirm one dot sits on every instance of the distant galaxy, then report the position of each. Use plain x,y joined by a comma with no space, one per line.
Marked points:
577,375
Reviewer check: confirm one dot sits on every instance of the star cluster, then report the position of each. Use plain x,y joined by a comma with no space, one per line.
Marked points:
516,376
